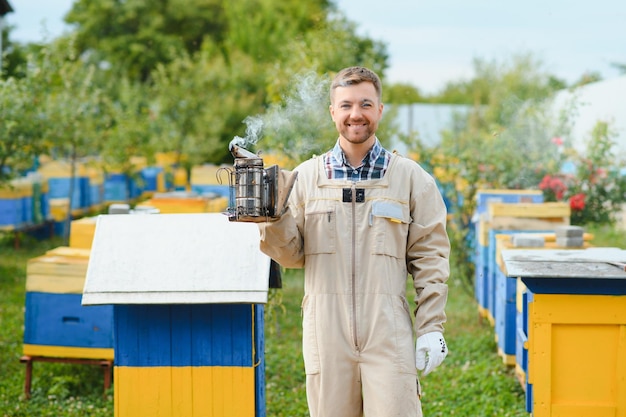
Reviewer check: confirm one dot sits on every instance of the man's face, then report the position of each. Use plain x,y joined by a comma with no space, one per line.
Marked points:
356,112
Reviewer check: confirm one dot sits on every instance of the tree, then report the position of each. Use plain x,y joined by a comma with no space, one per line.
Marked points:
402,93
22,125
136,35
200,104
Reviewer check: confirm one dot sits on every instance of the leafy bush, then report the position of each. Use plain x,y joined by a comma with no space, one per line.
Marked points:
595,190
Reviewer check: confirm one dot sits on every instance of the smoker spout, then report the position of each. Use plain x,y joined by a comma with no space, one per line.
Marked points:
239,152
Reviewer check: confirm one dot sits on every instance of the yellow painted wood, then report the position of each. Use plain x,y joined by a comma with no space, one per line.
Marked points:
69,251
579,309
207,175
68,352
56,284
519,293
508,191
577,355
508,360
534,210
81,232
188,391
57,265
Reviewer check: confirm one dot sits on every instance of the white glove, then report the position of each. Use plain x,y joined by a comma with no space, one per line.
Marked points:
430,351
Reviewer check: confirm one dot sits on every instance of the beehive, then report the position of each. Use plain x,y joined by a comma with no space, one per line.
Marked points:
505,303
183,202
81,232
479,239
511,218
210,179
59,177
55,322
576,322
188,291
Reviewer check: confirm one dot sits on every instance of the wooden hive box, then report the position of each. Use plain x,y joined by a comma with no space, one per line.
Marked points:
575,316
81,232
188,293
56,324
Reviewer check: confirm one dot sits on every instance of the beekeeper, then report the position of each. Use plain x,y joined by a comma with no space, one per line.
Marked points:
360,219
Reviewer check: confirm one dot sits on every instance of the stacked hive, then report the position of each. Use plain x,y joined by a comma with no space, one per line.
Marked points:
509,337
479,234
24,202
59,177
210,179
56,325
57,328
184,202
509,218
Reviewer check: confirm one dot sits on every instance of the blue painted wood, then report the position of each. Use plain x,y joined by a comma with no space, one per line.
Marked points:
183,335
585,286
259,360
484,198
506,312
61,320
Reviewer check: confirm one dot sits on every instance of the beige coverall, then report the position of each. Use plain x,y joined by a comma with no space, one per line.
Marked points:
358,343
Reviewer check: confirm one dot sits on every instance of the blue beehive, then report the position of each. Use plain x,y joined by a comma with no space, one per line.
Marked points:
11,207
480,228
152,179
188,291
55,322
59,178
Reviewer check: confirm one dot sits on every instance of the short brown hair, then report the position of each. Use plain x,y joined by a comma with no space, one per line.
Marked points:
356,75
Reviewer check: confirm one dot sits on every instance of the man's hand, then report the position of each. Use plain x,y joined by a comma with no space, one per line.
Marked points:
430,351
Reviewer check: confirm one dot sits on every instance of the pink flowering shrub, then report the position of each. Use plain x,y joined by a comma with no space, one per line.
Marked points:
597,189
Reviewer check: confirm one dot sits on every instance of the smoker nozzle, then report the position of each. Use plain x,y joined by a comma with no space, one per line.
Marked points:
239,152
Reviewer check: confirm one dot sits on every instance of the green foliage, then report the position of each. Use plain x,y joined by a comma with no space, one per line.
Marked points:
138,77
504,143
199,103
136,35
21,127
402,93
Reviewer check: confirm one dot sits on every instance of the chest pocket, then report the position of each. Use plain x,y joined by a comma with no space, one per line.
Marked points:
390,225
320,228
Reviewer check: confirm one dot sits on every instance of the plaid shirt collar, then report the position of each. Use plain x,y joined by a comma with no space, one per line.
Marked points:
374,163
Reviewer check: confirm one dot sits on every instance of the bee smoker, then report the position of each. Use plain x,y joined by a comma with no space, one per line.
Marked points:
257,192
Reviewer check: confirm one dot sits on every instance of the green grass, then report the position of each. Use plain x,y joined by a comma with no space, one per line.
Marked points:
472,381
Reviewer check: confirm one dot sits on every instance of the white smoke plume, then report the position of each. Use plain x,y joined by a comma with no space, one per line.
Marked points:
295,124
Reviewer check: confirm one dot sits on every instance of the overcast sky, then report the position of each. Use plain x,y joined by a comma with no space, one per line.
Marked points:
433,42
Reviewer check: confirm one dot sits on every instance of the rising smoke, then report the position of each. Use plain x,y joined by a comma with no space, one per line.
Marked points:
297,126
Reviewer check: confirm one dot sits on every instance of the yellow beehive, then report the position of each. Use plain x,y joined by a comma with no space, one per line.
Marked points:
168,203
81,232
59,208
522,216
206,175
55,272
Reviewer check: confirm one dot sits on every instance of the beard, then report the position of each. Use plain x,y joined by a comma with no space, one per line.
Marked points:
357,135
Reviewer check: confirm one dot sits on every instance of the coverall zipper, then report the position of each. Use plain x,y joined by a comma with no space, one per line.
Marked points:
353,272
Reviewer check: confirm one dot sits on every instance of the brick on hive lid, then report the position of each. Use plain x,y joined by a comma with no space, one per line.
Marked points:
569,231
528,240
570,242
119,208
